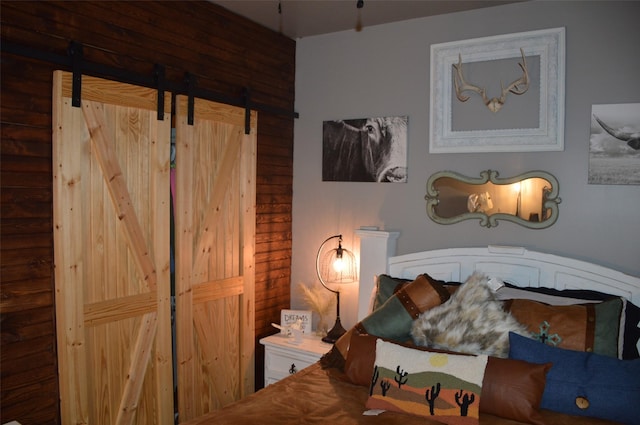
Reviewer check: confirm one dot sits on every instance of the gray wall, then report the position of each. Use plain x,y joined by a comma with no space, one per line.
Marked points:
384,71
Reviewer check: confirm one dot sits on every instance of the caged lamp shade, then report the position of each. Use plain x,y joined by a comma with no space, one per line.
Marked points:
335,266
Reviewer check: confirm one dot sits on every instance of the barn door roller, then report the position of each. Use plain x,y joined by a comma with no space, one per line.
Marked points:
189,83
246,96
75,52
158,76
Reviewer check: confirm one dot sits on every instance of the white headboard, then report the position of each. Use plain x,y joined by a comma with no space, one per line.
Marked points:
515,265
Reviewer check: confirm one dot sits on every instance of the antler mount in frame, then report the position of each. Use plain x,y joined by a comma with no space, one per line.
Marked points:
518,87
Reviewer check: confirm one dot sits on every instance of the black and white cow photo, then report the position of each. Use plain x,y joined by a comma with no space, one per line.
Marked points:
614,145
365,150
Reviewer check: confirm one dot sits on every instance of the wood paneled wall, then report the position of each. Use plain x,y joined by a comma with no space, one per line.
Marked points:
225,53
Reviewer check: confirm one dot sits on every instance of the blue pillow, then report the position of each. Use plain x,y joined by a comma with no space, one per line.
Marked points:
584,384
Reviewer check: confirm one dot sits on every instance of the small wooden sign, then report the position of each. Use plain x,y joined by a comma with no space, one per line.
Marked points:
292,317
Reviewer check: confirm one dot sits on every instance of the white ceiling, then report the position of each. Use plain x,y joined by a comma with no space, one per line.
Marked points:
303,18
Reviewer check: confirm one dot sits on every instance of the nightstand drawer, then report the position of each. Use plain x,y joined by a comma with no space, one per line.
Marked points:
284,364
282,357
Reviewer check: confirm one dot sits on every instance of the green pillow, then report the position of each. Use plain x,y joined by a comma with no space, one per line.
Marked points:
394,318
386,286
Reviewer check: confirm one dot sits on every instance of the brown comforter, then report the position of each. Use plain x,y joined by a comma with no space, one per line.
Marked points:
323,396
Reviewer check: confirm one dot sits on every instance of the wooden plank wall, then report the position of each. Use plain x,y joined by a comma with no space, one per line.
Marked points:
226,53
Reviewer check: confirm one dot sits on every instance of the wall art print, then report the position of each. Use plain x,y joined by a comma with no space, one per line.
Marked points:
365,150
614,145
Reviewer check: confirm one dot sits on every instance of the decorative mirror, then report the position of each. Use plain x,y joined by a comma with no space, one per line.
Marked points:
529,199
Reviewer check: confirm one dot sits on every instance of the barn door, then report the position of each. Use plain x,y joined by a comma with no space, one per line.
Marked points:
111,242
215,231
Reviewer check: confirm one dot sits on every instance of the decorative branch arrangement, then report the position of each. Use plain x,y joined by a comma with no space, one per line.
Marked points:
316,299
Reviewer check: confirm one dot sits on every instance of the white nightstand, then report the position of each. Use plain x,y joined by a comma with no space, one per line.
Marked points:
282,357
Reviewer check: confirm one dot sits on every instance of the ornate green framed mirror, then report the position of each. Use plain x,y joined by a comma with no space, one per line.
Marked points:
530,199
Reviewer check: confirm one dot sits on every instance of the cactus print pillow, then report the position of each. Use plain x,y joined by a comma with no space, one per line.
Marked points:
446,387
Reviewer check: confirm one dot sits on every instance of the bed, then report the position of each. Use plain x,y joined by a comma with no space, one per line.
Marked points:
581,368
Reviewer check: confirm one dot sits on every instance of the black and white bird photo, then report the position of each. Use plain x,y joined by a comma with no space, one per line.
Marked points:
614,145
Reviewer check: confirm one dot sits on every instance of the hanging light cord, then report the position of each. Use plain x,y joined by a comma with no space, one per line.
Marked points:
359,5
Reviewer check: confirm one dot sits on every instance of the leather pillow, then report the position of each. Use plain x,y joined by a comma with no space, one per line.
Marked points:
628,345
592,327
511,389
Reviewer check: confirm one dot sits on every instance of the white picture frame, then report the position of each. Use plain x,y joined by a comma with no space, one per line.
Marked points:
290,317
538,114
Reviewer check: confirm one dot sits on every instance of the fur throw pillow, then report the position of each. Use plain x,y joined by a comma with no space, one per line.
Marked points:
471,321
